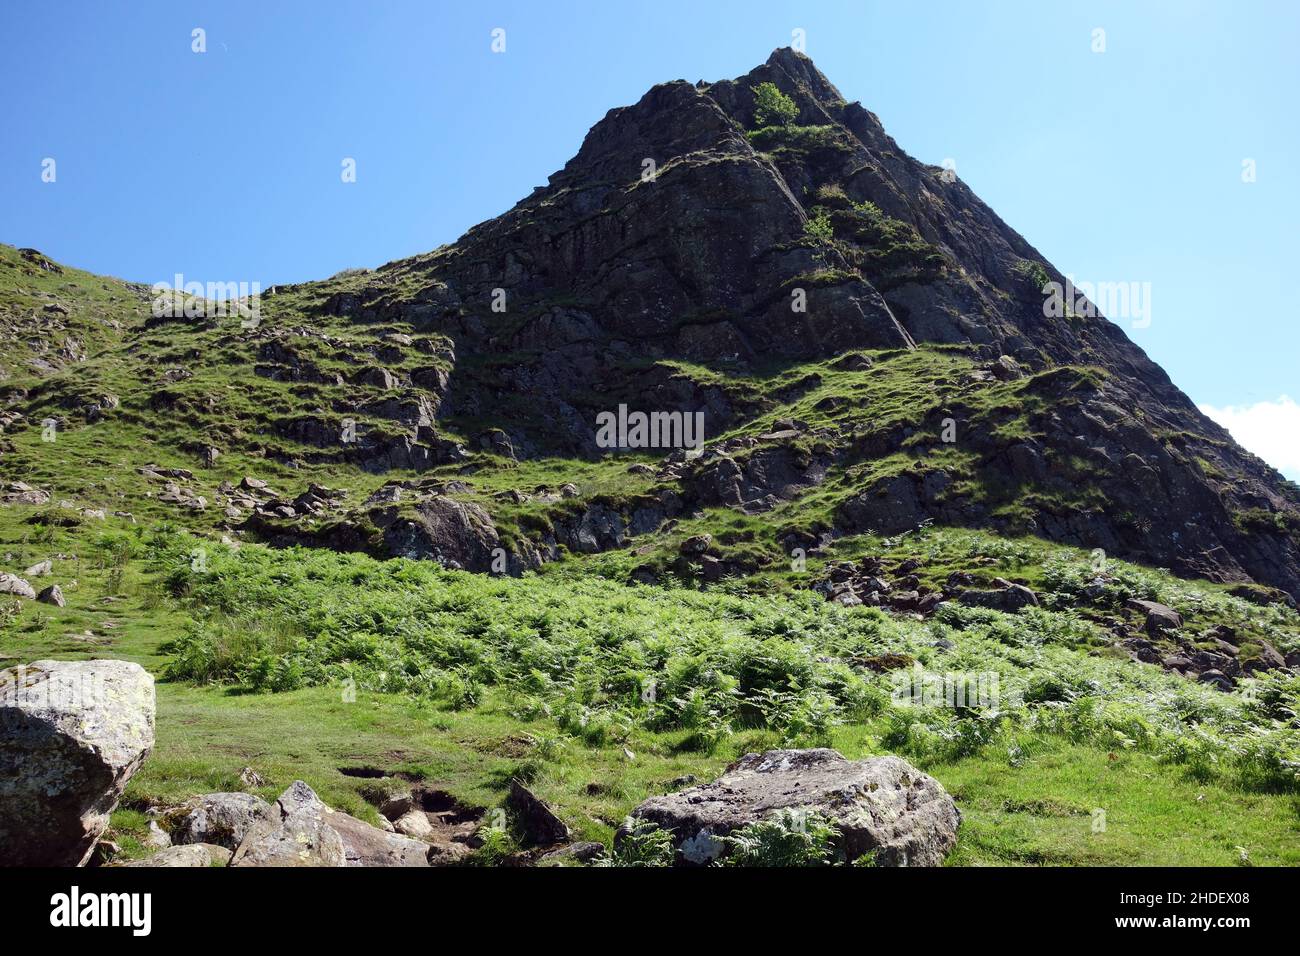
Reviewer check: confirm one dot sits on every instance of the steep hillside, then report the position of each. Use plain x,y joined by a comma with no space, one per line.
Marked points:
916,379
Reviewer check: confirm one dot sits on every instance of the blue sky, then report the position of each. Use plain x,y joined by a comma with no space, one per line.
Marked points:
1119,166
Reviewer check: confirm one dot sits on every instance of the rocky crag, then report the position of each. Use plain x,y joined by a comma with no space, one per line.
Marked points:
435,401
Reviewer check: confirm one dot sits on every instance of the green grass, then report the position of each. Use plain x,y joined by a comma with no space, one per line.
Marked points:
465,681
1042,813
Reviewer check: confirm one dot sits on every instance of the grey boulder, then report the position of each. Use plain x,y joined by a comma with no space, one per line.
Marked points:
71,735
1159,617
13,584
188,855
52,595
303,831
883,806
223,818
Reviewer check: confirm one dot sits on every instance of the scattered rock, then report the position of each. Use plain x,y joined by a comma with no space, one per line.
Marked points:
12,584
904,600
882,663
296,835
697,544
157,837
1268,659
1217,678
929,603
21,493
415,824
538,823
38,570
396,805
1262,595
1159,617
364,845
1006,369
1142,650
52,595
583,852
1010,598
852,362
303,831
251,779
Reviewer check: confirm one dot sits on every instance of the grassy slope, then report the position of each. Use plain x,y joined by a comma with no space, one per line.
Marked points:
1033,807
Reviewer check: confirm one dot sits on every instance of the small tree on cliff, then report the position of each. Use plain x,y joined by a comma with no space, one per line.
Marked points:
772,107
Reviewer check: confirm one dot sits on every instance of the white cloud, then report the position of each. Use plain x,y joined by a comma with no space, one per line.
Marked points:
1269,429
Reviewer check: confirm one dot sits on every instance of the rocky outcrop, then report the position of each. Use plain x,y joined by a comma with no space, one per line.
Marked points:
303,831
225,819
1159,617
454,533
883,806
296,835
71,735
755,474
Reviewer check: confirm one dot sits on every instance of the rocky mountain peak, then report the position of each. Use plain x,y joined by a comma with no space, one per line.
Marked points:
760,254
691,227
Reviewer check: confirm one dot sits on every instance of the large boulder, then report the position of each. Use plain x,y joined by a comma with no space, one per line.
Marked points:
883,806
304,831
13,584
297,834
71,735
223,818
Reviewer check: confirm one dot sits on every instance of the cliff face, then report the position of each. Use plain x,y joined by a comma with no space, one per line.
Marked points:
696,257
607,269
